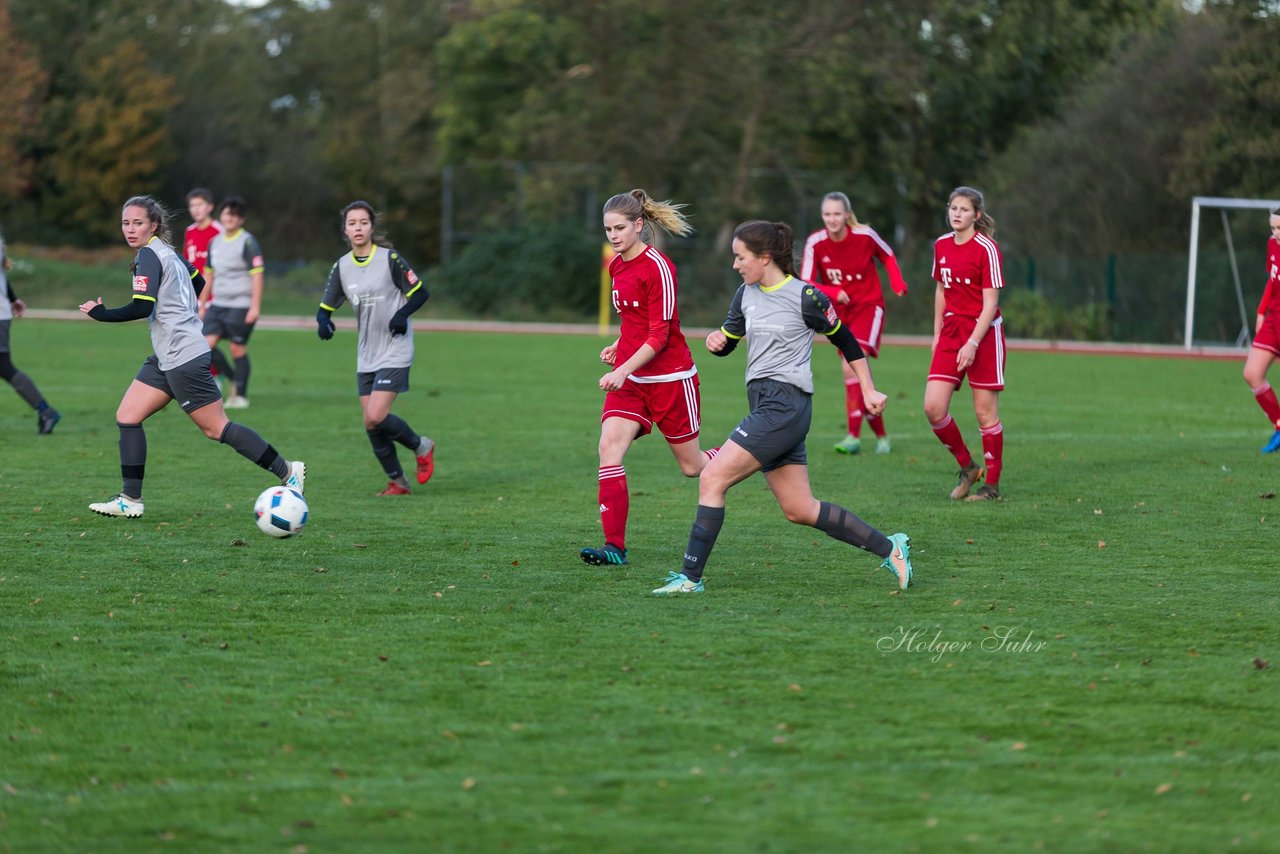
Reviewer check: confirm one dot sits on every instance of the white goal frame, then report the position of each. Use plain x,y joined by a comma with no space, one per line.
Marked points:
1222,204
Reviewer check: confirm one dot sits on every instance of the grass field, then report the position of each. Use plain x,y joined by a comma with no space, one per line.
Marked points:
1090,664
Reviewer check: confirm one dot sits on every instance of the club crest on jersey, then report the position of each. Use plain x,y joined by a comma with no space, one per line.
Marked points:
411,276
832,318
140,284
257,261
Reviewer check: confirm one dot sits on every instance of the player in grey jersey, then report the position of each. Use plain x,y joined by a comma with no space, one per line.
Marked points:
235,274
165,290
384,291
10,307
778,315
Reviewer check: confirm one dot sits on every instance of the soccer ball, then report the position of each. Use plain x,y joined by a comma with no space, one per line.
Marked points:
280,511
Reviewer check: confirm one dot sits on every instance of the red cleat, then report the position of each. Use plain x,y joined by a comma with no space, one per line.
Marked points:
394,488
427,465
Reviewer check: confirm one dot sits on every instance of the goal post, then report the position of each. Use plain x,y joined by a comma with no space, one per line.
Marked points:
1222,204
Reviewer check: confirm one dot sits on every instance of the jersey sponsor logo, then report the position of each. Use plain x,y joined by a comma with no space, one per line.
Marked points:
140,284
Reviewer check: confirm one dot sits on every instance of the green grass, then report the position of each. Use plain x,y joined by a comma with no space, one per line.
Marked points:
439,672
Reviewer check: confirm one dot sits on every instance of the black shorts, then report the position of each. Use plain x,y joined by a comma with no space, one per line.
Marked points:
775,430
191,383
4,335
228,323
383,379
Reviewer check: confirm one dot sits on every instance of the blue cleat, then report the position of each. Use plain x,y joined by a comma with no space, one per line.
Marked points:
1273,445
678,582
606,555
899,560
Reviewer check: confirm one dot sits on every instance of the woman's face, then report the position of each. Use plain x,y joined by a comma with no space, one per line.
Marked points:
834,217
231,222
1275,226
623,234
358,227
748,265
136,226
961,214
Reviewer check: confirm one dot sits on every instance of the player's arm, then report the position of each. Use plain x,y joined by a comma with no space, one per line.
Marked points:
724,340
415,293
884,253
197,280
969,349
147,274
332,300
1263,305
820,316
257,271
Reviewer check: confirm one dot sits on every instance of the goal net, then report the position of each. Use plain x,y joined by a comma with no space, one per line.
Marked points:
1214,286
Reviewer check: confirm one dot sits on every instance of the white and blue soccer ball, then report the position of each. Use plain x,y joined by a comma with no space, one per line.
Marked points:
280,511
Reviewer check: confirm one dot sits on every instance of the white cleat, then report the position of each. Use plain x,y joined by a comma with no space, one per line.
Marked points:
297,476
121,505
236,402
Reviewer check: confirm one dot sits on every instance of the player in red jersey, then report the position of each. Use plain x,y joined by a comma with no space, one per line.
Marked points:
653,381
196,239
1266,338
968,339
840,260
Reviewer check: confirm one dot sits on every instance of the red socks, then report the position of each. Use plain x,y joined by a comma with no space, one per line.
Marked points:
993,451
615,503
1266,398
949,435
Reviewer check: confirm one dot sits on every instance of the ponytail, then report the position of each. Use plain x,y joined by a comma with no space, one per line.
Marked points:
774,239
637,205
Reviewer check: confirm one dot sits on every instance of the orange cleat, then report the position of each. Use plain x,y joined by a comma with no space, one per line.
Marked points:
394,488
427,465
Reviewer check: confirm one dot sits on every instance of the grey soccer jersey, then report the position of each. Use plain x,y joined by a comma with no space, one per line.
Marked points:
779,323
163,278
234,258
377,288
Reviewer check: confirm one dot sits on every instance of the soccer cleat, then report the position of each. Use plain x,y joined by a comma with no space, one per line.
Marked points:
47,420
965,481
883,445
986,492
849,445
427,463
236,402
121,505
1271,447
394,488
297,476
678,582
899,560
606,555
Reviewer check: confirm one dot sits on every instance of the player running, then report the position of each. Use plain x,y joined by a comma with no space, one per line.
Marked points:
778,315
968,340
10,307
654,380
165,290
840,259
1266,338
383,290
236,267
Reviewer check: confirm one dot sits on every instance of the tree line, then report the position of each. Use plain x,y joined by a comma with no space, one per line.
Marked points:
1089,123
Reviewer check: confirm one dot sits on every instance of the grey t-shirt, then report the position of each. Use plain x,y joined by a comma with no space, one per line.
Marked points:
377,288
162,277
234,258
778,324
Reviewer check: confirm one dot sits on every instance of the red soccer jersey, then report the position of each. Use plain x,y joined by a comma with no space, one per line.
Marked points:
849,265
1271,296
965,270
644,295
195,244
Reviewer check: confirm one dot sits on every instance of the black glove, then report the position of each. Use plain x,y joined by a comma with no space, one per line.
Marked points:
324,324
399,324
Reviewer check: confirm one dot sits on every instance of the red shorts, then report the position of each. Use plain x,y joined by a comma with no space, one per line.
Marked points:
1268,337
987,370
866,322
674,406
